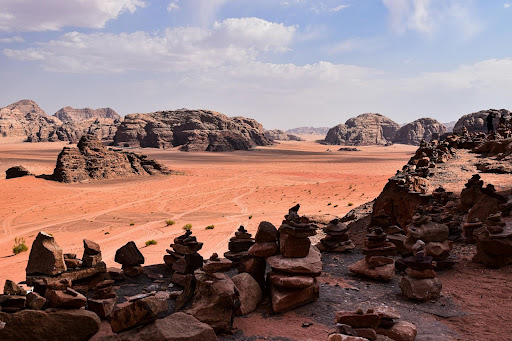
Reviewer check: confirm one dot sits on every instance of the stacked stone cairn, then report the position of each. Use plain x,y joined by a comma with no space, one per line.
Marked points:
378,264
104,299
293,272
131,259
494,242
336,238
435,236
444,208
183,258
239,246
217,264
381,320
395,233
469,229
420,282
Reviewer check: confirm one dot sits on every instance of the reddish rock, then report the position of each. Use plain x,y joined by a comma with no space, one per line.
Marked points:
383,273
129,255
46,257
264,250
68,299
11,288
102,307
134,314
293,282
285,299
358,319
400,331
249,291
294,247
35,301
255,266
421,289
266,233
310,265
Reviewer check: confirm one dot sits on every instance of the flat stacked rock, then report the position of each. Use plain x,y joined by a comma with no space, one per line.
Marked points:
372,325
395,233
183,258
435,236
377,264
494,243
239,246
469,229
14,297
92,254
104,299
420,282
216,264
130,258
445,209
294,234
293,276
267,241
337,239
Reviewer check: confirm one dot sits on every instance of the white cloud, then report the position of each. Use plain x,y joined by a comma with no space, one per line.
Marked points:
14,39
53,15
507,5
432,16
338,8
231,41
173,6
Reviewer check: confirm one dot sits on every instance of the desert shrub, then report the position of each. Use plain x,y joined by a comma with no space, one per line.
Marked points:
170,222
151,242
350,204
250,217
187,227
132,224
19,245
209,227
329,204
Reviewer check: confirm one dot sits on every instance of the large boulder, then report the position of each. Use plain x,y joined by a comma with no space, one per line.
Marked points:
363,130
93,161
249,293
191,130
17,172
129,255
476,123
421,129
138,313
310,265
36,325
175,327
46,257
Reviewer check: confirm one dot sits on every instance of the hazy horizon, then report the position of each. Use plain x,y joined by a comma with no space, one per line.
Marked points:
284,63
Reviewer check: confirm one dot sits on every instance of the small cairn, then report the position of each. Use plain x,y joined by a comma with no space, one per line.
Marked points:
130,258
445,209
92,254
494,243
435,236
103,300
336,238
183,258
469,229
293,277
14,297
239,246
267,241
395,233
216,264
420,282
381,320
377,264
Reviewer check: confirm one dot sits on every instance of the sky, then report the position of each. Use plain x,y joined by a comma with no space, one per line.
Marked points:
286,63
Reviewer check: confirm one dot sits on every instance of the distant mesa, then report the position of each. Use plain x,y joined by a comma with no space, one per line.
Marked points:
363,130
281,135
475,122
309,131
93,161
69,114
191,130
421,129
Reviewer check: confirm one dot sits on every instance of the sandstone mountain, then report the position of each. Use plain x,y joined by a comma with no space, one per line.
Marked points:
363,130
475,122
25,118
308,130
192,130
280,135
423,128
69,114
93,161
26,121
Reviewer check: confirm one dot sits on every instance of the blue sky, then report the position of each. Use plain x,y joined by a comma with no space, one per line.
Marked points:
286,63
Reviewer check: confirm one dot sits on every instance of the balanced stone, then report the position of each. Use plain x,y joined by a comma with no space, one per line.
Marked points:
216,264
46,257
239,245
336,239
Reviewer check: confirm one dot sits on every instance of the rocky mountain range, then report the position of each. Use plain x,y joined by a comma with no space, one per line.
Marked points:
26,121
281,135
191,130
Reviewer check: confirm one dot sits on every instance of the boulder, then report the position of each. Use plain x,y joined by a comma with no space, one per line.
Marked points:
65,299
129,255
383,273
285,299
263,250
138,313
341,337
310,265
11,288
400,331
46,257
425,289
422,129
175,327
249,291
35,301
36,325
363,130
358,319
266,233
293,282
17,172
102,307
191,130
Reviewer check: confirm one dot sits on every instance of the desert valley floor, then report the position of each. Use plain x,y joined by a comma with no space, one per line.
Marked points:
221,189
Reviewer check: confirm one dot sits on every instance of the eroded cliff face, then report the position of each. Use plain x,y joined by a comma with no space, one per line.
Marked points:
91,160
476,122
363,130
191,130
421,129
69,114
281,135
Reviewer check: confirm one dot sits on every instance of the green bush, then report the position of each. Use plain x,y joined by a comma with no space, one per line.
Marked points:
19,245
187,227
350,204
151,242
250,217
132,224
209,227
170,222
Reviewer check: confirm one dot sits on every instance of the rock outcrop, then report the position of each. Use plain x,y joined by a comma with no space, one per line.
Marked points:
280,135
365,129
475,122
92,160
191,130
421,129
17,172
69,114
